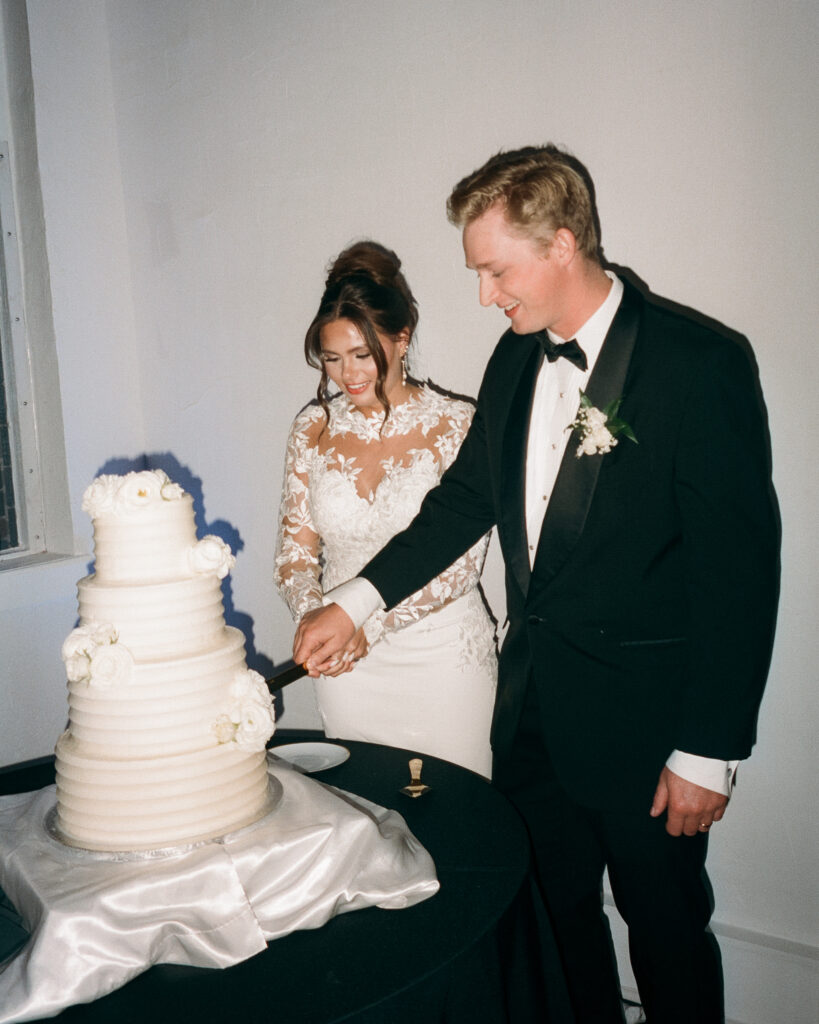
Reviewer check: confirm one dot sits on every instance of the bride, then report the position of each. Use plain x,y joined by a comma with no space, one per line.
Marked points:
421,676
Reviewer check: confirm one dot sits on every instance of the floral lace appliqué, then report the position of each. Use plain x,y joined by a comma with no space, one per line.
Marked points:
330,525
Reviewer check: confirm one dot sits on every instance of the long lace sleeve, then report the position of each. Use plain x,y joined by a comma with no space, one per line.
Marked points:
297,565
461,577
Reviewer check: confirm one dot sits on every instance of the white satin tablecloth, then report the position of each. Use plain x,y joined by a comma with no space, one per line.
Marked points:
97,920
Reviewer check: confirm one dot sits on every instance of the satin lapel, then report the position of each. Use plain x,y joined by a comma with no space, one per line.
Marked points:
512,518
577,477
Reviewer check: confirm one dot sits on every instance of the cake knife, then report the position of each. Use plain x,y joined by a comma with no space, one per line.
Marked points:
285,676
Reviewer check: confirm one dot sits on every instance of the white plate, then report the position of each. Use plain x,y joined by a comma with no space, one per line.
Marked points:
312,757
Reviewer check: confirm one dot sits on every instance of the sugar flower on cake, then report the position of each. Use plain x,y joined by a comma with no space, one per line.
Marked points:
138,490
93,655
111,665
211,555
99,496
168,490
248,721
111,493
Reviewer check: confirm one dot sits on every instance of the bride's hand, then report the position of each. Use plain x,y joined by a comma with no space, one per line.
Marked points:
354,651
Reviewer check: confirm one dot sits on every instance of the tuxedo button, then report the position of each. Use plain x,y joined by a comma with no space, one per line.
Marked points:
534,620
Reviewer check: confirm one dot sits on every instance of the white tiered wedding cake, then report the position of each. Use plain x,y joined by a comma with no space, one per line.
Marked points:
167,725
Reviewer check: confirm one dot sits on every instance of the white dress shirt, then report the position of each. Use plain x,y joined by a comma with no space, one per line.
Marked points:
554,406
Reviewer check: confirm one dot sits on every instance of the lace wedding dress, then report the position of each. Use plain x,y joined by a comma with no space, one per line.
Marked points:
428,680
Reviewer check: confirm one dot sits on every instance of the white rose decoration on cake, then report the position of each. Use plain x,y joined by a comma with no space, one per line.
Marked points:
138,490
98,497
89,635
249,722
254,705
111,665
77,667
211,555
168,490
79,646
93,655
128,493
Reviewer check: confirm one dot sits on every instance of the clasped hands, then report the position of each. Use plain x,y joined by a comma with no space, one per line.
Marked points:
327,642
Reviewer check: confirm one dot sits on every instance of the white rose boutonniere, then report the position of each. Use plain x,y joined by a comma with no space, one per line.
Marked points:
597,429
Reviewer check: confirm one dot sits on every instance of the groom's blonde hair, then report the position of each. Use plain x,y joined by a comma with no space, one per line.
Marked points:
540,188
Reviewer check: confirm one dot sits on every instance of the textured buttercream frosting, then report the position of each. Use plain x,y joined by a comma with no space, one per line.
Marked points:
167,725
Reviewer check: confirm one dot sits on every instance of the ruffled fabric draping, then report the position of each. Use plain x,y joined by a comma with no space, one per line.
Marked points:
98,920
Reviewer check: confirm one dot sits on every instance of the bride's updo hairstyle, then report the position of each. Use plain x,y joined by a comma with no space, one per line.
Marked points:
365,286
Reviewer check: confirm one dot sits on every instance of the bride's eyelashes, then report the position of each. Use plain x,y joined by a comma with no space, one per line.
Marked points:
328,357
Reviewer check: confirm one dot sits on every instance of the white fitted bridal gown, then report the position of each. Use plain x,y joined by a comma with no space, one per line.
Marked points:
428,680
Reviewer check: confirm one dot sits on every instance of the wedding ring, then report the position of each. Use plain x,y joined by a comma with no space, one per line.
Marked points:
704,827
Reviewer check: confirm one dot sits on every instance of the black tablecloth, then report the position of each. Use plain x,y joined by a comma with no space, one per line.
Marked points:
472,953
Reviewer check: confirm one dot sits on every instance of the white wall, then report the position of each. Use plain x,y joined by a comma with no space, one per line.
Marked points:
201,162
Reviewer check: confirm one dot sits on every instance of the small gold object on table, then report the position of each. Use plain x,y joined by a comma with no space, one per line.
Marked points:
416,787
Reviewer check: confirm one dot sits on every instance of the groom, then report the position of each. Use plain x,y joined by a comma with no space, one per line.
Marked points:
640,549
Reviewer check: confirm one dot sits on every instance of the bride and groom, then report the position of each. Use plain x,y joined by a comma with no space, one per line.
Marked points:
640,549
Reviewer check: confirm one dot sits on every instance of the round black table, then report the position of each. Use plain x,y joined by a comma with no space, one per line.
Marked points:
469,954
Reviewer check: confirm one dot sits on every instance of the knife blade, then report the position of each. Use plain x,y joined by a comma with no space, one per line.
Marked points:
285,676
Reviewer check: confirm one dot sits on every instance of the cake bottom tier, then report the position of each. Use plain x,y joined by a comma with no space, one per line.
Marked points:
147,804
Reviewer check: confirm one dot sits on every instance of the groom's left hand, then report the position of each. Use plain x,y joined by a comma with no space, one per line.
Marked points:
690,808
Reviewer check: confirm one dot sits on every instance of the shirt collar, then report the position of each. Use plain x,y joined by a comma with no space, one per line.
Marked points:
592,334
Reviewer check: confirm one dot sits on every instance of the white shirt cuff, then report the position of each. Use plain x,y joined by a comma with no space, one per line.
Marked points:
710,772
357,597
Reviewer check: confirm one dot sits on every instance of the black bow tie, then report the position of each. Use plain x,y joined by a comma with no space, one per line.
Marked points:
568,349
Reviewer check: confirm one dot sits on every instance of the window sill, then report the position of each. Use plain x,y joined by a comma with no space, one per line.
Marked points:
45,577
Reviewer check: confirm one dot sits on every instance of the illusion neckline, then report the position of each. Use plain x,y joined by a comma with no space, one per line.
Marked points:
378,417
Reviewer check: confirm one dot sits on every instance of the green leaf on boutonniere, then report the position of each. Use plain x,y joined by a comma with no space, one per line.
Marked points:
598,429
618,426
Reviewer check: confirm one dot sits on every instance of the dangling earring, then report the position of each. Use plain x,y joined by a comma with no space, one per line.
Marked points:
404,369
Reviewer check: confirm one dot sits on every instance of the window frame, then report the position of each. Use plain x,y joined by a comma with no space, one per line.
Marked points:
28,494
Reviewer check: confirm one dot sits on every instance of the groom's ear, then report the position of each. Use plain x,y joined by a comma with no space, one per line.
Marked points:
563,246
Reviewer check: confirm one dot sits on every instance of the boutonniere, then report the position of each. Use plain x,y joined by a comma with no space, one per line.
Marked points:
598,428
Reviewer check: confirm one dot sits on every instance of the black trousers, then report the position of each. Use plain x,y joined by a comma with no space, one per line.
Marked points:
658,882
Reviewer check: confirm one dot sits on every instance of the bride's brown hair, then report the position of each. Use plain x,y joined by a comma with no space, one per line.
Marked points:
365,286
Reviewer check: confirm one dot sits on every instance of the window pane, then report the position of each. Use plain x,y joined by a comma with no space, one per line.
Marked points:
8,513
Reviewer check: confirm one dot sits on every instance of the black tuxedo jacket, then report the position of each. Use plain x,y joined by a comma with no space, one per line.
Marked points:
646,621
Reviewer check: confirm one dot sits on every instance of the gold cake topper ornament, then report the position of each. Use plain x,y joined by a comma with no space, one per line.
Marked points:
416,788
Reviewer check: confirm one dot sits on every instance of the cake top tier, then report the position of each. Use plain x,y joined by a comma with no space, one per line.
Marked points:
144,531
134,494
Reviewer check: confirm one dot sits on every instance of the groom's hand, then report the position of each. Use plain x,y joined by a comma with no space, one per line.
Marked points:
321,637
690,808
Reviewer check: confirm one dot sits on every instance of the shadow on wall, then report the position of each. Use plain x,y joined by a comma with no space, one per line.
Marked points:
226,531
